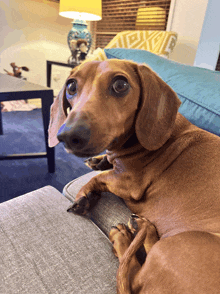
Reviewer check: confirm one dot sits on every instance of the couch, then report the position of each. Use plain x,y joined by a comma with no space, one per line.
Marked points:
44,249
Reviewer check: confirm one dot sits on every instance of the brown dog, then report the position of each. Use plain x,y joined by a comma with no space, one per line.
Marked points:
166,169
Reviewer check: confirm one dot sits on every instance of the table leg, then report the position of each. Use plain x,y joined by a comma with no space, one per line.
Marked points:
46,103
1,128
48,74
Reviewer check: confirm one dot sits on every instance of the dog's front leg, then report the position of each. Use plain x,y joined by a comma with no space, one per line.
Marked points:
89,194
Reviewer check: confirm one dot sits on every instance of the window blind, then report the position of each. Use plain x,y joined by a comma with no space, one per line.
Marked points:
126,15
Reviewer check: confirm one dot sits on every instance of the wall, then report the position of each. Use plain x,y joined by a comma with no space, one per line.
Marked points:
32,32
187,21
209,43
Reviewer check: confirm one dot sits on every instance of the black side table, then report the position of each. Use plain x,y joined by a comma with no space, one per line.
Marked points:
12,88
49,68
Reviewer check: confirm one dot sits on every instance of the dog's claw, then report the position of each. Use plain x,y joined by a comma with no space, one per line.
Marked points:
114,227
92,163
84,204
133,223
98,163
81,206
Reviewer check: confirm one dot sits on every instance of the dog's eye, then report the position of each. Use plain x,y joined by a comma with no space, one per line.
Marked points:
68,110
71,88
120,86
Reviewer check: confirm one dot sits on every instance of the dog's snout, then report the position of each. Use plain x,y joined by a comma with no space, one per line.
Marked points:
74,136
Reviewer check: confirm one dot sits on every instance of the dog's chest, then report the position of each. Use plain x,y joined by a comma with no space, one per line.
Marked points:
173,207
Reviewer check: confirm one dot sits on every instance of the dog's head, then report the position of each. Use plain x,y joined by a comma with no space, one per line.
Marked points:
103,103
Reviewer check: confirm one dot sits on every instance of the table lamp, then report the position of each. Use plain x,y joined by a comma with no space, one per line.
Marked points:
79,38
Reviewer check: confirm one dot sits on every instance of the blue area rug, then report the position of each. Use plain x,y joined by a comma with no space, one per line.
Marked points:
23,133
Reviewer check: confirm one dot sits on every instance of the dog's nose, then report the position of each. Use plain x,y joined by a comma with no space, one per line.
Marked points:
74,136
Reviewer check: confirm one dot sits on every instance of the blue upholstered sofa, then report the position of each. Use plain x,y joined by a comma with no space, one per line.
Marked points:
44,249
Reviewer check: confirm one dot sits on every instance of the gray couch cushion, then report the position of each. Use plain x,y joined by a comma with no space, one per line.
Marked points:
110,209
44,249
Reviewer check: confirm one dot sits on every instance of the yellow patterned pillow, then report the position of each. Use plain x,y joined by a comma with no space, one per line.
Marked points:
98,54
158,42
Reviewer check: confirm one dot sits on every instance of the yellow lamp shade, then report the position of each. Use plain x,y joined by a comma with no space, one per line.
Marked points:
149,15
81,9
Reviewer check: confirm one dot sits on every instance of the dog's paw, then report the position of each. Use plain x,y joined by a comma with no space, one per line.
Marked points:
84,204
81,206
137,223
121,238
98,163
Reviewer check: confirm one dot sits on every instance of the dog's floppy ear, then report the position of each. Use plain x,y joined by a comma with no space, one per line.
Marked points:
58,115
158,109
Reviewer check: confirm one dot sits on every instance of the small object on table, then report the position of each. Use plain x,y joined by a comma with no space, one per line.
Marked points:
17,71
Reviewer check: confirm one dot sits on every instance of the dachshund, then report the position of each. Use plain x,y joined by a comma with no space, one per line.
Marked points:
166,169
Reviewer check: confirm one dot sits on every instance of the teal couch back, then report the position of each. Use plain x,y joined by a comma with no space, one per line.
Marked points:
197,88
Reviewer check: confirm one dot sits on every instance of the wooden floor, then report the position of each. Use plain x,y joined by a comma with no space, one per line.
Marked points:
20,105
36,102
